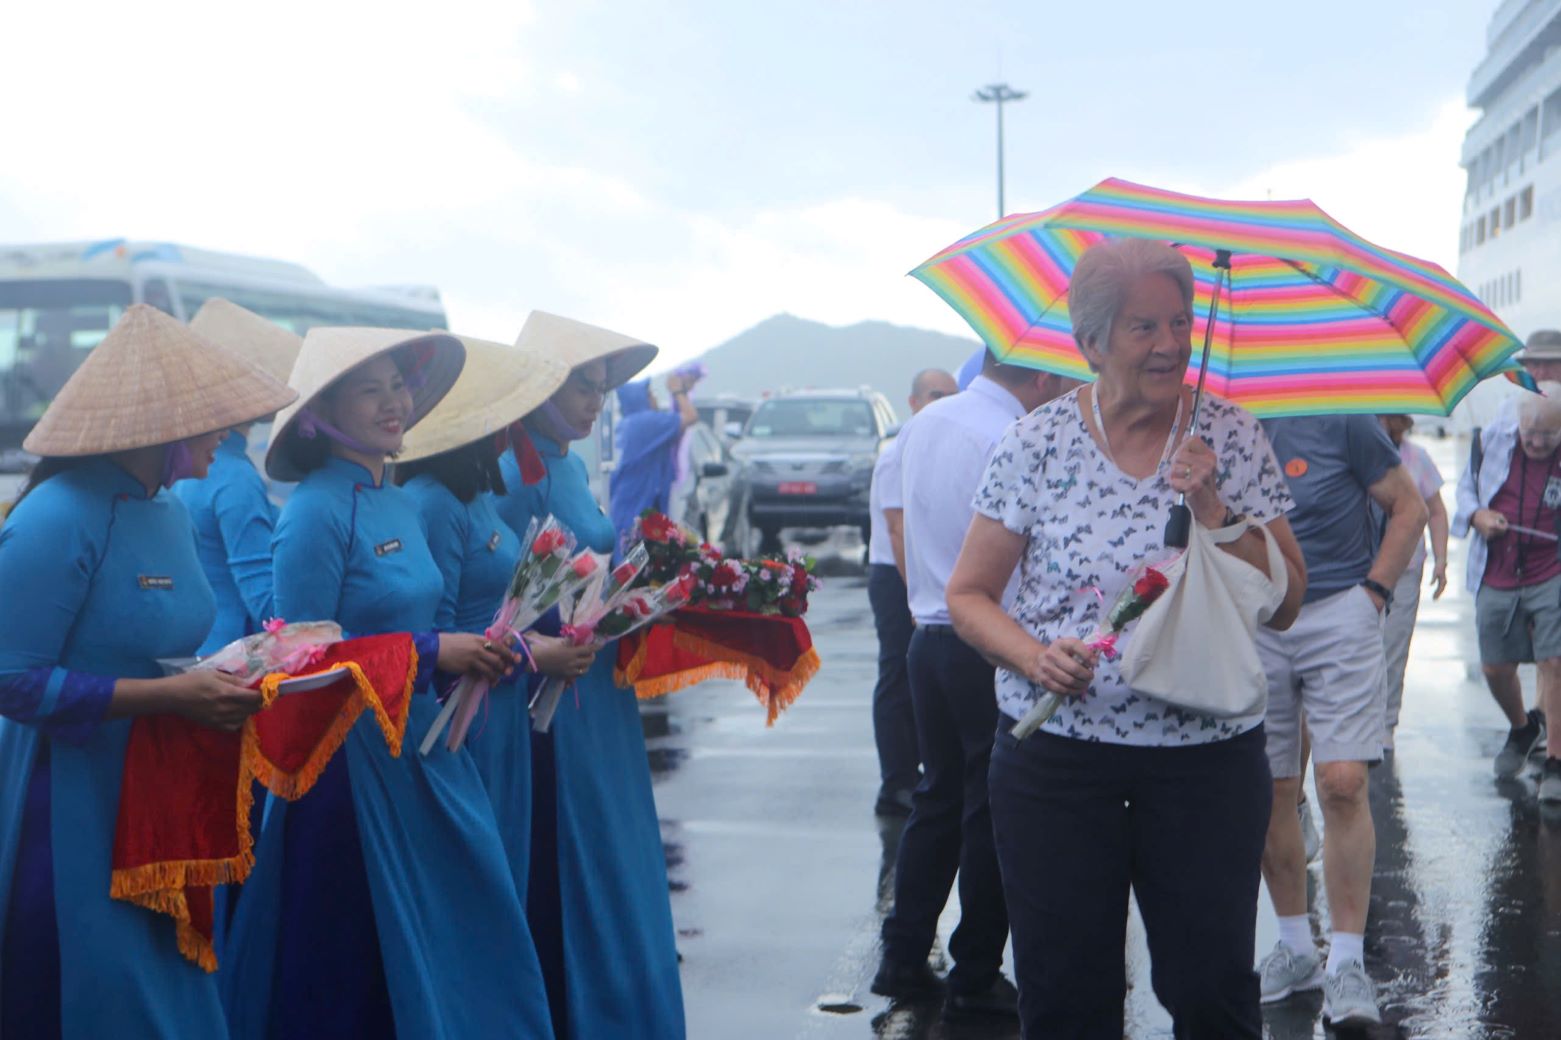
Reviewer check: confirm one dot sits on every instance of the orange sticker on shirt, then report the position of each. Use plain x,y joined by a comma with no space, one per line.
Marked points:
1295,468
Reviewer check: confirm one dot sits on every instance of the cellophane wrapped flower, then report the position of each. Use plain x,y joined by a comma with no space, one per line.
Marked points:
1147,586
580,614
281,647
546,574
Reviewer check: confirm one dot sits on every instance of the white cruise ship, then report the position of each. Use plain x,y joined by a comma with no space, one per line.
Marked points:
1509,242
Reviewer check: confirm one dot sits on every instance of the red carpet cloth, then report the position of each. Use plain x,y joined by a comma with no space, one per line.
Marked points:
185,795
774,655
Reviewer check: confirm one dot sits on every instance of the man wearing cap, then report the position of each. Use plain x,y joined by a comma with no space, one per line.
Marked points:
1510,495
894,724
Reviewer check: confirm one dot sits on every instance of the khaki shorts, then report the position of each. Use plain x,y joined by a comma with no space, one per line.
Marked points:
1330,667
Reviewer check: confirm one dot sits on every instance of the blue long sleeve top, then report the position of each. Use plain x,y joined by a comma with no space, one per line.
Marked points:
647,457
474,549
234,521
100,580
565,492
352,551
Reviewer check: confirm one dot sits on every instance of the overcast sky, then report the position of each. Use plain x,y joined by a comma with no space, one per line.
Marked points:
682,169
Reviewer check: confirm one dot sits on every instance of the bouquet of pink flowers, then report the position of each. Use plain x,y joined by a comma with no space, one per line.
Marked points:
614,616
546,574
1147,587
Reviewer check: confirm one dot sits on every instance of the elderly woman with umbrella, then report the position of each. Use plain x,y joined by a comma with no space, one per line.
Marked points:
1119,789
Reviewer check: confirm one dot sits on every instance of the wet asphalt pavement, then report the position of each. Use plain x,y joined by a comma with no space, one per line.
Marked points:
781,873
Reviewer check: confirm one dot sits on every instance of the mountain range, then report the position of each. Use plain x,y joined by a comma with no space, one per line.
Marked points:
790,353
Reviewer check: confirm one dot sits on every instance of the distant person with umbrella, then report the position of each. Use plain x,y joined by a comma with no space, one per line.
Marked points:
647,442
894,723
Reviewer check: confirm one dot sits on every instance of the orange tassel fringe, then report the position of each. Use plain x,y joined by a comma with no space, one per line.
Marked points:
775,688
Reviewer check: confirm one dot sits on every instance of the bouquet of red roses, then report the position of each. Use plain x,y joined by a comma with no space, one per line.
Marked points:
1147,587
771,584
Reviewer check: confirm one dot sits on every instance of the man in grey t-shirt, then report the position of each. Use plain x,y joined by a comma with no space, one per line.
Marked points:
1327,674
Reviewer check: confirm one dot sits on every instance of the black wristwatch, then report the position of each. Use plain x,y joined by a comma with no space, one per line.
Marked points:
1384,593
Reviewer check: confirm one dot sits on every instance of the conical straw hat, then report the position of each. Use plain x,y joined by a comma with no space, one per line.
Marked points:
575,343
330,352
499,385
247,334
152,380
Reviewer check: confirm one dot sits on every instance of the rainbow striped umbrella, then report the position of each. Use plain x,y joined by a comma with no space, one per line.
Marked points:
1315,319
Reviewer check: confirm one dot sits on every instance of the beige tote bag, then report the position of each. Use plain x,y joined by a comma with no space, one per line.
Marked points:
1195,645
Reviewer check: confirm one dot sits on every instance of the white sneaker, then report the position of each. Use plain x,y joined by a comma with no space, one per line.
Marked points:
1309,834
1284,972
1349,999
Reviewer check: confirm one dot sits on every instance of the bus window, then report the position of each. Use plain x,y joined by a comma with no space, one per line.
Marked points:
301,312
155,293
47,326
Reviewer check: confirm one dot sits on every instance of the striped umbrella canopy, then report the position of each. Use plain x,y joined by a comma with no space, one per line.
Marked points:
1316,319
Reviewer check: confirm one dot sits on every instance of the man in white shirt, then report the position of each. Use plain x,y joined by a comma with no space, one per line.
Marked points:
943,455
894,724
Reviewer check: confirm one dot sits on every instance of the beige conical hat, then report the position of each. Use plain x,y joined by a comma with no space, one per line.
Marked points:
575,343
499,385
247,334
152,381
328,353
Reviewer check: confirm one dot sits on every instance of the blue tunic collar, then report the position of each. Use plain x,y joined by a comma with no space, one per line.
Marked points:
117,479
354,471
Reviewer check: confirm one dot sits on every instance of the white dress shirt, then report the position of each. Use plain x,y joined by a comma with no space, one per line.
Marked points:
943,456
886,481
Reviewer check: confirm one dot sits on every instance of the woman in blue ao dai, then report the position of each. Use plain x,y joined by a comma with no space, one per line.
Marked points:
101,580
230,510
382,903
451,468
597,897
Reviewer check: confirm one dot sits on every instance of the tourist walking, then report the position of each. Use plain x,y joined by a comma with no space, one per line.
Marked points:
1327,683
1510,496
1120,791
943,453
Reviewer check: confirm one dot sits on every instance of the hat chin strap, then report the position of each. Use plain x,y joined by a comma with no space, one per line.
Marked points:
178,463
311,426
558,425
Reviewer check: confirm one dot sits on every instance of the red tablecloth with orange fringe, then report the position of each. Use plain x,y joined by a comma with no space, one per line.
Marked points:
772,654
185,795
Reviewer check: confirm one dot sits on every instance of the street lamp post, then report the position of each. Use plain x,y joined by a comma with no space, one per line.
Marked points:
999,93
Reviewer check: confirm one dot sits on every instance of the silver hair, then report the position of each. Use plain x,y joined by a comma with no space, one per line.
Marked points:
1106,272
1540,407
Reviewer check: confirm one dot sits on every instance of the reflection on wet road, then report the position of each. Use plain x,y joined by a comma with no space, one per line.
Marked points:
781,873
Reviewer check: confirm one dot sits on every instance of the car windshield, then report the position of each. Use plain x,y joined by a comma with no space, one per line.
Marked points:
812,417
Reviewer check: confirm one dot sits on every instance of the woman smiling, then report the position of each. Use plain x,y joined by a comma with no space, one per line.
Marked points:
1118,789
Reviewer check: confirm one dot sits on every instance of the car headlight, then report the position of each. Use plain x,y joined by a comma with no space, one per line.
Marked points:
864,463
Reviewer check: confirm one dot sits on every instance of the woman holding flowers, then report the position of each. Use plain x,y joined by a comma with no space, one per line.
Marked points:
598,899
1120,790
101,579
451,469
382,903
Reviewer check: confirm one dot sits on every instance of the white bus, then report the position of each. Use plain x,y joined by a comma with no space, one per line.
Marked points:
57,301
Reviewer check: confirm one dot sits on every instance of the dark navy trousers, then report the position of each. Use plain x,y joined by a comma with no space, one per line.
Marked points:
950,827
894,720
1081,823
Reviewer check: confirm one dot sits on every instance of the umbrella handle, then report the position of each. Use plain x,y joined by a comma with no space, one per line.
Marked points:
1179,527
